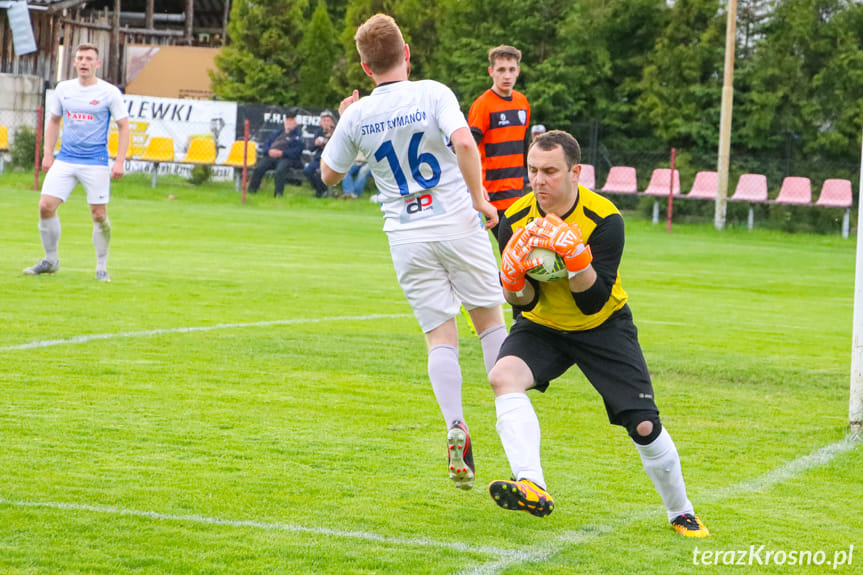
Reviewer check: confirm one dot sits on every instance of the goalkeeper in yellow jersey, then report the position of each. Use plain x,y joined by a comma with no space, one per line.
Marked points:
581,320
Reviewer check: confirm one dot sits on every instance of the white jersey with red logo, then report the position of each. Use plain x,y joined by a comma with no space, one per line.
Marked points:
403,129
86,113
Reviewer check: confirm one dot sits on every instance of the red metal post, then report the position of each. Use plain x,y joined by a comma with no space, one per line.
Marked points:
671,190
40,124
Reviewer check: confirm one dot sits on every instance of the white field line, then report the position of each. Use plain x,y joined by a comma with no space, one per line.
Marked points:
503,558
155,332
588,533
416,542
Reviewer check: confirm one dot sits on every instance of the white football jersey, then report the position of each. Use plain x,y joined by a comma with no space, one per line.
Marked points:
86,113
403,128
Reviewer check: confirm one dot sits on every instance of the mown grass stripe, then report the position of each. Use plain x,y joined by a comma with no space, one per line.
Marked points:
154,332
588,533
504,558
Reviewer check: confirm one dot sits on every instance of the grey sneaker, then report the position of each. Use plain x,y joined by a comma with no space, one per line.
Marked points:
43,267
102,276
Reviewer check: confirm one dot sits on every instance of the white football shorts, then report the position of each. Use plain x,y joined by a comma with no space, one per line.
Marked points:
63,177
439,277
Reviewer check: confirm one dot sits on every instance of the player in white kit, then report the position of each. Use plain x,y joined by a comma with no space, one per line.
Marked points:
431,197
84,106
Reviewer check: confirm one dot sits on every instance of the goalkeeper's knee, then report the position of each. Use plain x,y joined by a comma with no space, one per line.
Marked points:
643,426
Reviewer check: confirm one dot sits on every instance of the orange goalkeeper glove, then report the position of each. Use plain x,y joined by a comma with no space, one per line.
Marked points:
564,239
514,264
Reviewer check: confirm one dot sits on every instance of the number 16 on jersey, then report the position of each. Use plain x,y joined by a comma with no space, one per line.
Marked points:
415,162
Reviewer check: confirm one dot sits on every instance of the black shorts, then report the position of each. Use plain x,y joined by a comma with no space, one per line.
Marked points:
609,356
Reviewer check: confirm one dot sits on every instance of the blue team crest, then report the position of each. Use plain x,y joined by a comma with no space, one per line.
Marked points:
522,117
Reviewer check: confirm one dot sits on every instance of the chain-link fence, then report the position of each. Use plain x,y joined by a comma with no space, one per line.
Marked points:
20,101
811,194
822,201
172,136
17,139
167,136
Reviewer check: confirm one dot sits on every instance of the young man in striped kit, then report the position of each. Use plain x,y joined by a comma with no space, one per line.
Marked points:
498,120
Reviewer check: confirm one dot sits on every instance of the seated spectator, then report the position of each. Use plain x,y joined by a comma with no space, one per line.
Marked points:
536,130
354,181
282,152
313,168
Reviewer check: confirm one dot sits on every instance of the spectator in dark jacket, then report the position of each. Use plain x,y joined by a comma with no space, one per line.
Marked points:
313,168
282,152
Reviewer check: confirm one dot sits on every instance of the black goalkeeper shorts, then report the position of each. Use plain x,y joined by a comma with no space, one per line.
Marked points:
609,356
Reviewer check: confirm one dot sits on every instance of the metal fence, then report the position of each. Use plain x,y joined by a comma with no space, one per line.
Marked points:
168,136
171,136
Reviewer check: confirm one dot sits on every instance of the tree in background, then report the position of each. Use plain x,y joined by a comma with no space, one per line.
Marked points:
837,88
681,85
752,16
800,90
417,21
467,30
321,48
629,30
261,64
560,62
566,85
648,72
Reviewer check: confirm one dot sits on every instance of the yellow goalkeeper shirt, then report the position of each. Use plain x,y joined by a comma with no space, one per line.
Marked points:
602,229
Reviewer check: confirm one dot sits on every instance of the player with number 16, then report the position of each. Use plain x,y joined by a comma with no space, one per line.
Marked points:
431,199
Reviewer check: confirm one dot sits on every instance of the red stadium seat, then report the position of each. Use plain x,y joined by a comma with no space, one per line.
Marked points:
750,188
835,194
588,176
621,180
660,182
795,191
705,186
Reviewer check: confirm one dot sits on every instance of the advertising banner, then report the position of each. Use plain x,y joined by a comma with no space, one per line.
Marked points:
166,128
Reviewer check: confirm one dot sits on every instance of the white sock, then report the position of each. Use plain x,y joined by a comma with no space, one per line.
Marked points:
445,375
491,340
49,231
518,428
101,240
662,465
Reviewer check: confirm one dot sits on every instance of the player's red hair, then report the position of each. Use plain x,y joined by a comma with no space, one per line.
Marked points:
380,43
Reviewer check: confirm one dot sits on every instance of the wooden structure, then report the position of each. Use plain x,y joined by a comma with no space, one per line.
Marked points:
60,25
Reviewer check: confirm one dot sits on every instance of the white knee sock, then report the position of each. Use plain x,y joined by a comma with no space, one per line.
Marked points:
662,465
49,231
491,340
445,375
101,240
518,428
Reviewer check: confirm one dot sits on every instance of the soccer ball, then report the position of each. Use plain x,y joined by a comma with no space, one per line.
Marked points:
552,268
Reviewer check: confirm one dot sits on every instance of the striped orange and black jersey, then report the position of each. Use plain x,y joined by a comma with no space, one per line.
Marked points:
499,126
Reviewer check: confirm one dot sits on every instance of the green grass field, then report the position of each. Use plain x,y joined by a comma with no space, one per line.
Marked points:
249,396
